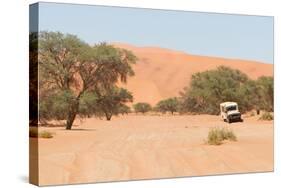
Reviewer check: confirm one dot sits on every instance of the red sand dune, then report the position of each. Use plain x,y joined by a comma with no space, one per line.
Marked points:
161,73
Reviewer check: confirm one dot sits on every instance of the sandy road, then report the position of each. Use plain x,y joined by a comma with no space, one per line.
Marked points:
143,147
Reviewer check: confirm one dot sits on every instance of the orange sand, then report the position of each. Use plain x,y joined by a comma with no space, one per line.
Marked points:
143,147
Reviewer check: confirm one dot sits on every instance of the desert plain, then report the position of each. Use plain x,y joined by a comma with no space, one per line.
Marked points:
135,146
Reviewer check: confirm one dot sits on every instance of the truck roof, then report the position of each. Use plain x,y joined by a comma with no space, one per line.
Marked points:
228,103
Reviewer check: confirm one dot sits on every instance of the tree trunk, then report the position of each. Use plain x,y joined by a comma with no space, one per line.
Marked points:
72,114
108,116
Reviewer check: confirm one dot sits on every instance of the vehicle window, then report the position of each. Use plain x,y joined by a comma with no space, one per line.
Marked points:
230,108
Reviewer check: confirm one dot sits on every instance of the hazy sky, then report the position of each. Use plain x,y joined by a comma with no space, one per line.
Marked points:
223,35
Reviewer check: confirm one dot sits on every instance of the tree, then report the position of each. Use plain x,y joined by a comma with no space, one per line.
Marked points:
248,96
208,89
55,105
257,94
88,105
68,64
170,104
124,109
266,93
142,107
33,79
113,101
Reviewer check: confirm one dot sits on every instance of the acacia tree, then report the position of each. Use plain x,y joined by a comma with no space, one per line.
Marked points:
258,94
33,79
124,109
106,103
266,85
170,104
67,63
113,101
55,105
142,107
209,88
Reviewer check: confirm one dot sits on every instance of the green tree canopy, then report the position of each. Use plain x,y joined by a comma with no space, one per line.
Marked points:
266,85
67,63
208,89
113,101
55,105
258,94
168,105
33,78
142,107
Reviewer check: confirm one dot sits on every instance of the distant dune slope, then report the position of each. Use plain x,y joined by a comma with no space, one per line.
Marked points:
161,73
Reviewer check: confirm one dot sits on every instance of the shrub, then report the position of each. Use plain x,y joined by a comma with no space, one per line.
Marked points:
170,104
216,136
228,135
34,133
46,134
142,107
123,109
266,116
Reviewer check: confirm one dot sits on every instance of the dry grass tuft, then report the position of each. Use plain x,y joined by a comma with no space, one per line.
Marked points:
216,136
34,133
266,116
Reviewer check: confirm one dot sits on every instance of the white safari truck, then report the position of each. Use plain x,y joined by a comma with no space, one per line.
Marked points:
229,112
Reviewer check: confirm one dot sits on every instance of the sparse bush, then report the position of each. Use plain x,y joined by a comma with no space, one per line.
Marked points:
216,136
123,109
142,107
228,135
34,133
46,134
170,104
266,116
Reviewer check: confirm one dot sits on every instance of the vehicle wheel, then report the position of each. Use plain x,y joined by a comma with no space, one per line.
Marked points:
228,121
241,120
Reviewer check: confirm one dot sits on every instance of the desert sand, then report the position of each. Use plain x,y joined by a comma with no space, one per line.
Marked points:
163,73
134,147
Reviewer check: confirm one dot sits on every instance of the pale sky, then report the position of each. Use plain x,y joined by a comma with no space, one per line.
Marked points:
210,34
